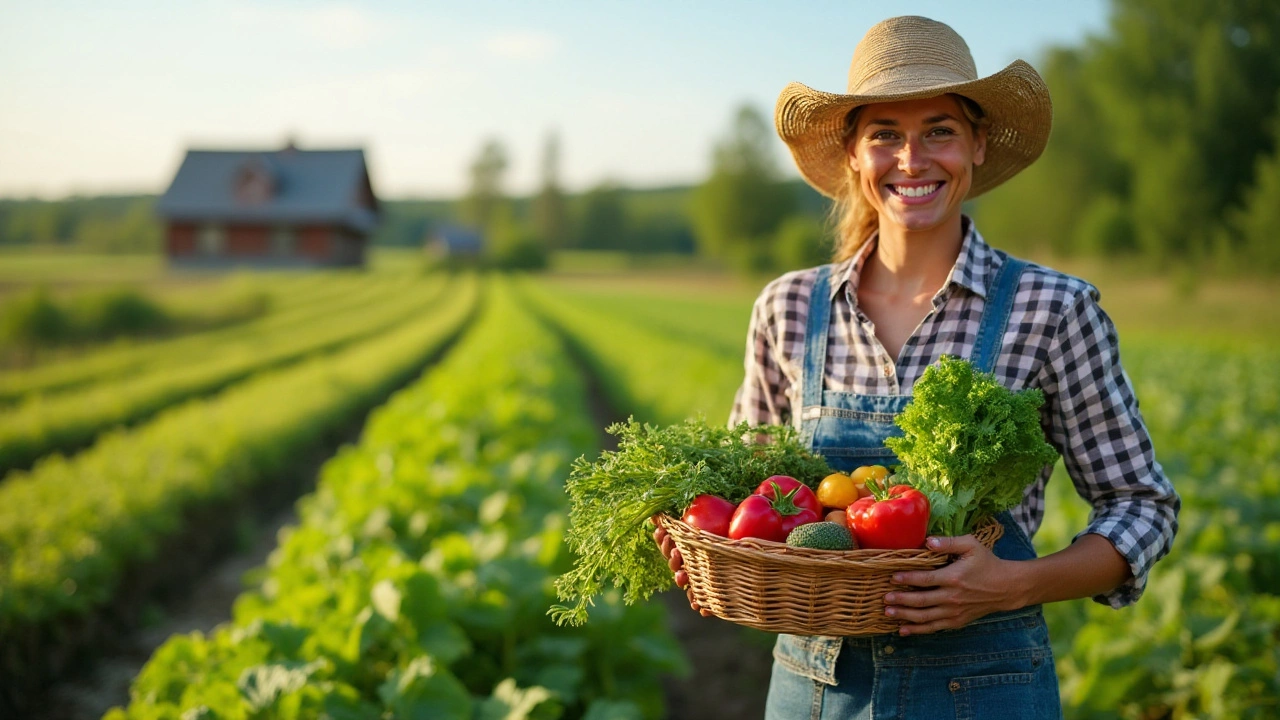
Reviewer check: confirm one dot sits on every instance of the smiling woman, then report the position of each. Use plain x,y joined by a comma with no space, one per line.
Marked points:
837,350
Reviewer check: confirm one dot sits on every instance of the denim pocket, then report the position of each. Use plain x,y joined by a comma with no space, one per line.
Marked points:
1030,695
1007,695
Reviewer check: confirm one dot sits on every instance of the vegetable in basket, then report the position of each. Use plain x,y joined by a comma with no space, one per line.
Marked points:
971,445
658,470
893,519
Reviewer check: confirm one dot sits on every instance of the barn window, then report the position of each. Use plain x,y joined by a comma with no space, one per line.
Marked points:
283,241
211,240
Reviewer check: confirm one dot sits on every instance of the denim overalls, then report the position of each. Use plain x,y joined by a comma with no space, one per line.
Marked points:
1000,666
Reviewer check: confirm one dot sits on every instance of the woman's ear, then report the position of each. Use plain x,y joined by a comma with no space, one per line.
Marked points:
851,154
980,145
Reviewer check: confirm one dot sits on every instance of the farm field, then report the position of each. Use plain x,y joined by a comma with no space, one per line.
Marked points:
417,576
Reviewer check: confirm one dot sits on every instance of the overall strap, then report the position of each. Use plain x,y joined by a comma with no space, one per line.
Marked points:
995,315
815,338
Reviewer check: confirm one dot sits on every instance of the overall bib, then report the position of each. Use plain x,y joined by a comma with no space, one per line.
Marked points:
1000,666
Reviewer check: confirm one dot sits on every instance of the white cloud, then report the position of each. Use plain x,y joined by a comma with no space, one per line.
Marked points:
522,44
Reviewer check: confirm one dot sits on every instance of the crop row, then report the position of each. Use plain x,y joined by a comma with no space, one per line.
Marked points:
291,300
417,580
72,529
69,420
657,375
1204,641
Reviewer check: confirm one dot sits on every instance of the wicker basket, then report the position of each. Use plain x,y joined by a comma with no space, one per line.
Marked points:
782,589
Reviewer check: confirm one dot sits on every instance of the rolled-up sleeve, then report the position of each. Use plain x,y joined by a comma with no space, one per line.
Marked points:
762,398
1093,420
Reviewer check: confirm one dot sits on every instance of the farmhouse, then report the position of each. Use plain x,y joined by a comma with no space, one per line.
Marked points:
285,208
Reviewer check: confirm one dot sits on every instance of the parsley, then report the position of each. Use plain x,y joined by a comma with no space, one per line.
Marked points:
661,470
971,445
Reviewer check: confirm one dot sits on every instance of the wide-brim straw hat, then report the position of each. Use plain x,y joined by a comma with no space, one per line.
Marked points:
907,58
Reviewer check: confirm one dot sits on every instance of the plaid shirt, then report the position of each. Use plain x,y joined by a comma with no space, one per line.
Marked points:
1058,339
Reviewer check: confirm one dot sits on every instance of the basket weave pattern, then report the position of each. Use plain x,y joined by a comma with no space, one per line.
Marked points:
782,589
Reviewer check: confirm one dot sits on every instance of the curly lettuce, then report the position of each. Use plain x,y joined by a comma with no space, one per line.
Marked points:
971,445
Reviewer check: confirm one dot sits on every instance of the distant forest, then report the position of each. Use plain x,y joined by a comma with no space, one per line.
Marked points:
1165,151
609,217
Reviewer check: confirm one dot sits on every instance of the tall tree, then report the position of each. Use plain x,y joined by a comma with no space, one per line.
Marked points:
1159,123
550,218
604,224
736,212
480,206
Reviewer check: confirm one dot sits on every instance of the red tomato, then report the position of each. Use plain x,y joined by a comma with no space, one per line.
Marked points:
710,513
755,517
804,517
790,488
898,522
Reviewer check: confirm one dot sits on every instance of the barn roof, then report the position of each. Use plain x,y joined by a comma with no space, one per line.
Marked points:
283,186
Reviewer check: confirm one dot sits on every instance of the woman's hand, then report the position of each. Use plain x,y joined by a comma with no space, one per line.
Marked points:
676,563
976,584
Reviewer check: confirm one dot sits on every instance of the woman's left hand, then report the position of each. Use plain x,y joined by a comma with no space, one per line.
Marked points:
977,583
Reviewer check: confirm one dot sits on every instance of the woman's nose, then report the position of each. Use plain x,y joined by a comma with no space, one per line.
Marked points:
912,158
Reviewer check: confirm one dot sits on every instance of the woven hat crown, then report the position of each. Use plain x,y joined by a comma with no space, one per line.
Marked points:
908,53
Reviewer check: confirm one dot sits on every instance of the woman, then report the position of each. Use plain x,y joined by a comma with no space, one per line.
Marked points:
835,350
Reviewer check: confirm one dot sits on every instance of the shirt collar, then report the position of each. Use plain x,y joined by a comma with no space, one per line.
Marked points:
973,269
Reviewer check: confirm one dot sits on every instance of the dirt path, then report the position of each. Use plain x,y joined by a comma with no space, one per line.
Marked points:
206,605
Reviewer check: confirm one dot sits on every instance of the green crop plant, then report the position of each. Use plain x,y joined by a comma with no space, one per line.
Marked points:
416,581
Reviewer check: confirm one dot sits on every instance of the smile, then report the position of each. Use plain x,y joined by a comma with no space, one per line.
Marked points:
916,192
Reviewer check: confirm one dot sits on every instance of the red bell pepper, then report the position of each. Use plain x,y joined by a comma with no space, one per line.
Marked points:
896,520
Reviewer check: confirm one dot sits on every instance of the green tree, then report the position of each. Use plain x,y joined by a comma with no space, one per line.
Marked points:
1165,113
1258,221
802,241
550,217
737,211
604,224
480,207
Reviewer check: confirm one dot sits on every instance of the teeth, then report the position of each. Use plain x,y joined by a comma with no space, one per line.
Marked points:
915,191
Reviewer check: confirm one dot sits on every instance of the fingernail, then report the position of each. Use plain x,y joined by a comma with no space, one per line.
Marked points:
890,611
897,578
890,598
933,542
904,632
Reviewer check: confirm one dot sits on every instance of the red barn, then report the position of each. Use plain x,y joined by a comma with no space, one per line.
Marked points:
287,208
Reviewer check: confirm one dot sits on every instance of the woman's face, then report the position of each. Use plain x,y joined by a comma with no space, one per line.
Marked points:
914,160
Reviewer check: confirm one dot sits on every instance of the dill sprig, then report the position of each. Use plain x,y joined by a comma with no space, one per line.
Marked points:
659,470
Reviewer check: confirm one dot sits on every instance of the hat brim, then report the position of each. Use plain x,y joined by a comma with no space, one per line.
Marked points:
1015,102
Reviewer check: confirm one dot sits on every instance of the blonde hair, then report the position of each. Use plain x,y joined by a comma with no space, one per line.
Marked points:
852,218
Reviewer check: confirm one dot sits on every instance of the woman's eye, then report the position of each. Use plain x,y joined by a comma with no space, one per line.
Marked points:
882,135
942,131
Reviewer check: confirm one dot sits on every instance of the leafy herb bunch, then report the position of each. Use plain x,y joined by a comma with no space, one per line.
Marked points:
971,445
660,470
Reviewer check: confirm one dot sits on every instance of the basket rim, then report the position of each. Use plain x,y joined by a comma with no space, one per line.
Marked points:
774,553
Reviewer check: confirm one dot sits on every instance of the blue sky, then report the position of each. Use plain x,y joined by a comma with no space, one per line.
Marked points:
106,96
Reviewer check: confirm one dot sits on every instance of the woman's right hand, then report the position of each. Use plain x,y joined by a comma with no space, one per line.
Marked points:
676,562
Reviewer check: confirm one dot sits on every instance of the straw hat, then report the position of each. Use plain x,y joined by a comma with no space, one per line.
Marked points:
907,58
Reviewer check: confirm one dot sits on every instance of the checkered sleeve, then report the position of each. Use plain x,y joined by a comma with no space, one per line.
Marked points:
1095,424
762,397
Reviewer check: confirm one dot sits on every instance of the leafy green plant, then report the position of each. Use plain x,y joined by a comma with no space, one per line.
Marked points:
971,445
417,579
